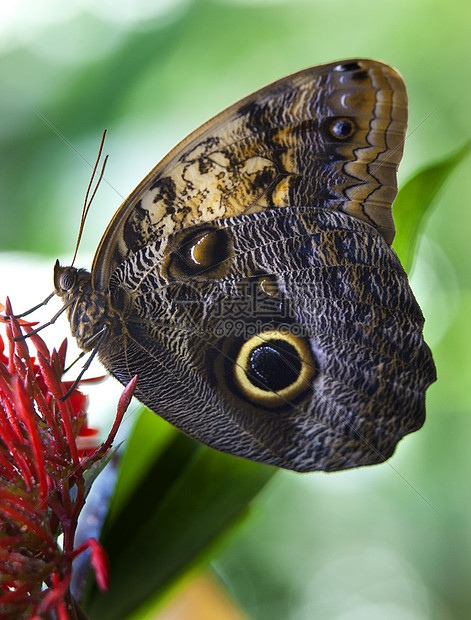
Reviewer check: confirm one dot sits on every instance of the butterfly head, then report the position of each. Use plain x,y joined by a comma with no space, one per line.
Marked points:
86,309
69,281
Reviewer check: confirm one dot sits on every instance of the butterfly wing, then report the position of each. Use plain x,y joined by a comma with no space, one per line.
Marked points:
251,283
306,353
328,137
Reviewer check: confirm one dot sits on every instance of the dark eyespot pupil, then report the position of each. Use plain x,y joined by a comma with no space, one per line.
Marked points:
199,251
268,286
342,128
274,365
347,66
204,250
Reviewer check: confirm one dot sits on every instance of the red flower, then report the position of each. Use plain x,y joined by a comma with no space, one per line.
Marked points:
45,449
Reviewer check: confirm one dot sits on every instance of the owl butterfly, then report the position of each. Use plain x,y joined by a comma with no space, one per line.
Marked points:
250,284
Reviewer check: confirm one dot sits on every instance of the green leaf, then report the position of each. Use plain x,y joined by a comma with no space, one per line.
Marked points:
176,508
416,197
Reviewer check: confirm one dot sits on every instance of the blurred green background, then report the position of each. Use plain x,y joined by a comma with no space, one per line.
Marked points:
392,541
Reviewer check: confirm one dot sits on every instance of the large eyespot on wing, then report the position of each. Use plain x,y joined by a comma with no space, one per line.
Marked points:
273,368
328,137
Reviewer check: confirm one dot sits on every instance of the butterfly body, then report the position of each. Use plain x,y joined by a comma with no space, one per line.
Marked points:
250,284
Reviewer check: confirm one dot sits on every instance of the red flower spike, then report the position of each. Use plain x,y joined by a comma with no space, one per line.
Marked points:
42,486
55,388
25,409
18,514
123,404
3,357
62,351
38,342
99,561
126,396
54,598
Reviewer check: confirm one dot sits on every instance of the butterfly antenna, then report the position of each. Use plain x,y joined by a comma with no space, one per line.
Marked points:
89,199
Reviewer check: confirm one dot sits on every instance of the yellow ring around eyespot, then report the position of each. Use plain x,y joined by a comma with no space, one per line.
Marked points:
287,394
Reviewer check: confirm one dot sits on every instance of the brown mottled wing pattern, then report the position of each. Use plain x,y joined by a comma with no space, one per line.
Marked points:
249,281
287,144
339,287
